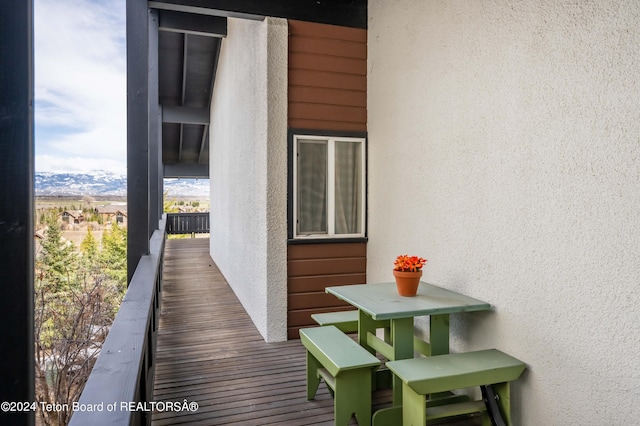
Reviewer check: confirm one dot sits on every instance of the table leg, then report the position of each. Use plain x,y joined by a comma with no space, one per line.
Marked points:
439,334
439,340
402,338
366,325
402,341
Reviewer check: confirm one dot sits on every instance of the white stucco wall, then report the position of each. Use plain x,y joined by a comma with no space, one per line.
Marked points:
504,146
248,161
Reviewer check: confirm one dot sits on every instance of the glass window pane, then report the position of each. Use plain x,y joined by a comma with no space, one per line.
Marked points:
348,187
312,187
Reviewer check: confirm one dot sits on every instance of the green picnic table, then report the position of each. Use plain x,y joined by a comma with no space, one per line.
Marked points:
381,301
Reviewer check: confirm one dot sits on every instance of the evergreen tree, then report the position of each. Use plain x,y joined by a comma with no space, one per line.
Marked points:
113,256
76,299
89,246
57,261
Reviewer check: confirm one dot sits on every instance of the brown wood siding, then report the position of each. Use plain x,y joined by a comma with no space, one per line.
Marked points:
327,77
312,268
327,91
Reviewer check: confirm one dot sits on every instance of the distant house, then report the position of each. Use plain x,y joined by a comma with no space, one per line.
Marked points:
113,213
72,216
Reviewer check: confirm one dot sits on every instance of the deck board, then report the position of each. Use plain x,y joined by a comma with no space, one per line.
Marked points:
210,352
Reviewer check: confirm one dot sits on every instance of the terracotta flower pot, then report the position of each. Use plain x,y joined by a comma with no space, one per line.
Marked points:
407,282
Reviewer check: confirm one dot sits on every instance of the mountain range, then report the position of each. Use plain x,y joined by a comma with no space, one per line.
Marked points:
102,183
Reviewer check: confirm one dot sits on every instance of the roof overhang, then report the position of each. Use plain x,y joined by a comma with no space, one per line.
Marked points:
190,34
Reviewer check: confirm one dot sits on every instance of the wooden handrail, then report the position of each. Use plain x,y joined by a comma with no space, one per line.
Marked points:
121,383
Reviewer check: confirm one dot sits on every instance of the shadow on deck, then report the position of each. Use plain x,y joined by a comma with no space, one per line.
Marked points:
209,352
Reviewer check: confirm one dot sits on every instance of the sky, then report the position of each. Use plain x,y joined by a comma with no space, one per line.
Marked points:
80,85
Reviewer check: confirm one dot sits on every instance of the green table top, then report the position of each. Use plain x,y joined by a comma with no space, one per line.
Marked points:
382,300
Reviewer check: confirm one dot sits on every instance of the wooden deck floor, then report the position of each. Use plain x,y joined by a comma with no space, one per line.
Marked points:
209,352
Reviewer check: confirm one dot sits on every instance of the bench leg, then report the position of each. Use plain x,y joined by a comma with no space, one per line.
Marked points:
313,379
486,419
353,396
503,391
414,411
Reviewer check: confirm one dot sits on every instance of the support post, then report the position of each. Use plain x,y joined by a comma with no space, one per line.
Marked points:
17,377
138,233
155,141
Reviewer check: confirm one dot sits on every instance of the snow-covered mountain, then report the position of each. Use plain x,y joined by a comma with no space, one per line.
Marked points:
101,182
187,187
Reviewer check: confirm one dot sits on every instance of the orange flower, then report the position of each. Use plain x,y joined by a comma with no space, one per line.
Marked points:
408,263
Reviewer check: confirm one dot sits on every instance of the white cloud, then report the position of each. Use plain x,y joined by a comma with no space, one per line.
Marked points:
49,163
80,84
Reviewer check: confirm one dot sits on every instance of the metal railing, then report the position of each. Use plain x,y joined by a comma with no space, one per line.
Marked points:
188,223
120,387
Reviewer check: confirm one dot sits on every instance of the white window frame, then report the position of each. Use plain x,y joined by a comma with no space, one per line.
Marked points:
331,140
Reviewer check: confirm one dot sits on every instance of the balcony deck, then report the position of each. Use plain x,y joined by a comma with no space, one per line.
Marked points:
210,352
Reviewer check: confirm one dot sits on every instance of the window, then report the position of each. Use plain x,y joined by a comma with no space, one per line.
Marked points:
329,187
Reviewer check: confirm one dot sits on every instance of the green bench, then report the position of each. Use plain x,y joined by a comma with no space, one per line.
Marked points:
443,373
345,367
346,321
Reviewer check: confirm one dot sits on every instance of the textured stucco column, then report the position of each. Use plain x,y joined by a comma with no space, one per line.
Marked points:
248,152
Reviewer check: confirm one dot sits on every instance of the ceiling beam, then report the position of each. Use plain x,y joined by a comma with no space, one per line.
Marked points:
205,131
185,115
184,170
349,13
203,142
200,8
185,62
189,23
